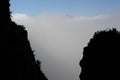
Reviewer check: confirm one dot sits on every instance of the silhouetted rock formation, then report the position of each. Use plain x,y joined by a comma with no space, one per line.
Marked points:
18,62
101,60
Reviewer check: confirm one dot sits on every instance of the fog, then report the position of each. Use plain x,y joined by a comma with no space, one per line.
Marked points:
59,39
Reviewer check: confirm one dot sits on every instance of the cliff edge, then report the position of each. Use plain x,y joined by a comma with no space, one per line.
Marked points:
18,61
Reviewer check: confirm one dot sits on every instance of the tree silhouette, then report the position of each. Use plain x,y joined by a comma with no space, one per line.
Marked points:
101,57
17,58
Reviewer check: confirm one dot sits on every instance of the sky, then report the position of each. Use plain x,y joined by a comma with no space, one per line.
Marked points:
58,30
70,7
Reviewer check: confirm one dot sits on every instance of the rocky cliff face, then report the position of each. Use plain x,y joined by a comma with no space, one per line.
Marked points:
101,57
18,61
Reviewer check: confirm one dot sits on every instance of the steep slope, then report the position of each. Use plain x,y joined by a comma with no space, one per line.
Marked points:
101,57
18,61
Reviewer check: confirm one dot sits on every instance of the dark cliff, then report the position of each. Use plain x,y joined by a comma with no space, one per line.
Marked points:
101,57
17,58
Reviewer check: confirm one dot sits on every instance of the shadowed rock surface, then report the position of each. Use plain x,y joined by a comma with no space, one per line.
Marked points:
17,58
101,60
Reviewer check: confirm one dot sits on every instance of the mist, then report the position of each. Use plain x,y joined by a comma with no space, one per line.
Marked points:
58,39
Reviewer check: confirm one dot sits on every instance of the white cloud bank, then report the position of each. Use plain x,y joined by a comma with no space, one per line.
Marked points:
58,40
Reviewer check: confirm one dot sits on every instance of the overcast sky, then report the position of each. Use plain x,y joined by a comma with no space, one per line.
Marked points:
60,29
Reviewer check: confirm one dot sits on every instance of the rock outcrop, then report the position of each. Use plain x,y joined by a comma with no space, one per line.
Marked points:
17,58
101,59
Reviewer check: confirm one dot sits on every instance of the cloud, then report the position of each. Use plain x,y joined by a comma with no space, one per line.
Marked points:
18,16
97,17
58,39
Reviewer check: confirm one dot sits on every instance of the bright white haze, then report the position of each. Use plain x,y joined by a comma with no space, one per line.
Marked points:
58,39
